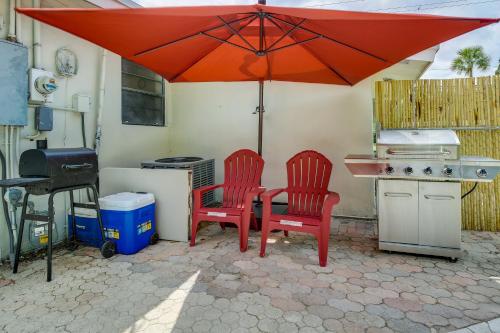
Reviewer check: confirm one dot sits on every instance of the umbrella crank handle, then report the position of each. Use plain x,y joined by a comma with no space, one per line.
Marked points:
257,110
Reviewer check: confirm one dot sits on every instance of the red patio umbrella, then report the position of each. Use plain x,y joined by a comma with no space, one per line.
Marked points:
258,42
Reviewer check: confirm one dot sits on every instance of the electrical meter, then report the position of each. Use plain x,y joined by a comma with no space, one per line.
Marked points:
42,84
45,85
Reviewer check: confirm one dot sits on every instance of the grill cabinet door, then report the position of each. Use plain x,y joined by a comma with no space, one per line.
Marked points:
398,211
439,214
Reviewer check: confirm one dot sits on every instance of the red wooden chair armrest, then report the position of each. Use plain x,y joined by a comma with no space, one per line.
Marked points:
331,200
197,193
249,197
267,200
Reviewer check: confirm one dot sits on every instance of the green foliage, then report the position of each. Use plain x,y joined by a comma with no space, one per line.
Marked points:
470,58
497,72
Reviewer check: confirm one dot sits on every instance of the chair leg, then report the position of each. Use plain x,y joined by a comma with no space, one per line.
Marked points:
243,231
194,229
263,237
222,226
323,248
20,234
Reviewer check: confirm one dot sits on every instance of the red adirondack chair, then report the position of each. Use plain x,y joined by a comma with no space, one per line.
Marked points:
309,202
242,173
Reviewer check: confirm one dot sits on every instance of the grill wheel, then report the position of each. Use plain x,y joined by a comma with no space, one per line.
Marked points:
108,249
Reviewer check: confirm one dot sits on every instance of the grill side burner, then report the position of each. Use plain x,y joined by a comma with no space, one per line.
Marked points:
418,193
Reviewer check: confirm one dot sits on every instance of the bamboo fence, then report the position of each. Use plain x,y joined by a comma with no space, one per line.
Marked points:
470,106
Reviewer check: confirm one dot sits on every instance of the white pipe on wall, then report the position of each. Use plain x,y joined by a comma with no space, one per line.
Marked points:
100,102
18,22
12,21
7,154
11,151
37,46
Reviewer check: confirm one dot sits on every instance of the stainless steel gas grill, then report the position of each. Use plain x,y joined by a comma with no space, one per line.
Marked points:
51,171
418,193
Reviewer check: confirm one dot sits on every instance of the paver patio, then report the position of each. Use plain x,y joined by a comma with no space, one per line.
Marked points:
213,287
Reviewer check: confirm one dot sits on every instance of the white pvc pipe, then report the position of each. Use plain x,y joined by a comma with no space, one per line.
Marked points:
37,45
100,102
18,22
6,137
11,151
12,20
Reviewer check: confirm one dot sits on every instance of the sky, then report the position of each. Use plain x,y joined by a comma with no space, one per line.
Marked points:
487,37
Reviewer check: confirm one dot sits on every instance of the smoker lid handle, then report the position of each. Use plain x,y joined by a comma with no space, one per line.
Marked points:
77,166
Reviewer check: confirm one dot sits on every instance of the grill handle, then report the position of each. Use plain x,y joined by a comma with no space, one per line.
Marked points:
438,197
397,194
77,166
418,152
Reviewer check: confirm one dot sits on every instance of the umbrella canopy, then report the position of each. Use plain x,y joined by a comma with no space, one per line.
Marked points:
257,42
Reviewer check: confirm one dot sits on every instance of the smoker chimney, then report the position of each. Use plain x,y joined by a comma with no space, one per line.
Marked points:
262,2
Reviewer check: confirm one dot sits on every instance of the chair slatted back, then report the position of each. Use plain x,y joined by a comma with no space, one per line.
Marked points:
308,177
242,172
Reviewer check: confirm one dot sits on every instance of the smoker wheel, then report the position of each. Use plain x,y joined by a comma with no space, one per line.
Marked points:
453,259
154,238
108,249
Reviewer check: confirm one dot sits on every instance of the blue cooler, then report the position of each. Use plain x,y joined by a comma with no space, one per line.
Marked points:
129,220
87,227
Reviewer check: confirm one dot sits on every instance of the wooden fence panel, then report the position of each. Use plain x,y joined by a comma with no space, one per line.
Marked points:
471,106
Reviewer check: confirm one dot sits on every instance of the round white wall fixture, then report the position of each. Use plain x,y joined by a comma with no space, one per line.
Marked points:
66,62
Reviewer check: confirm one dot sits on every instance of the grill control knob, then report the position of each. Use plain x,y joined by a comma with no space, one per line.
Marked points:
428,171
389,170
447,172
481,173
408,170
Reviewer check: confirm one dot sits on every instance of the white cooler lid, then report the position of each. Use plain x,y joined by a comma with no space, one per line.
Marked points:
126,201
84,212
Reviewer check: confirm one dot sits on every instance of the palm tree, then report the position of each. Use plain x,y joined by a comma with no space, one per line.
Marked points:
469,58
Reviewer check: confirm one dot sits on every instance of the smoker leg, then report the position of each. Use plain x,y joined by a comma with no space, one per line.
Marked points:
98,211
108,248
73,218
20,234
49,244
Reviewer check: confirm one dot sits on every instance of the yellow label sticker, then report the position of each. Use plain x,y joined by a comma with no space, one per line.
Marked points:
116,235
44,239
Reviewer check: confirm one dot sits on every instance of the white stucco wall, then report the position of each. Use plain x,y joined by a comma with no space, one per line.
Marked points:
334,120
214,119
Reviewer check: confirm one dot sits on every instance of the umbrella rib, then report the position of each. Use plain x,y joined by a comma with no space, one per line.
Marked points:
237,33
331,39
293,44
226,42
331,68
267,56
203,57
189,36
286,34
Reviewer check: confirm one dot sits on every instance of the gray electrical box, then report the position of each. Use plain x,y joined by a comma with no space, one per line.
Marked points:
13,84
43,118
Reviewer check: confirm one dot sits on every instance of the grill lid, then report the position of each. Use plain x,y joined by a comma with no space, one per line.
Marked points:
418,137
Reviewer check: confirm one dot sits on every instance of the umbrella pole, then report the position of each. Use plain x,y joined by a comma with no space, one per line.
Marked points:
261,116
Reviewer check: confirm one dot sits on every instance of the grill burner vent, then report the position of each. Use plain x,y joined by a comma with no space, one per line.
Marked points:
183,159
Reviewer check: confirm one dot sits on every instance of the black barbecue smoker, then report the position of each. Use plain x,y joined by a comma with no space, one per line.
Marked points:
52,171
